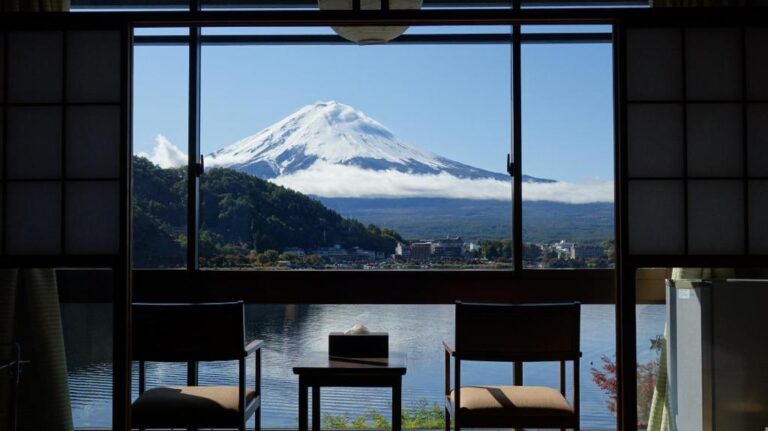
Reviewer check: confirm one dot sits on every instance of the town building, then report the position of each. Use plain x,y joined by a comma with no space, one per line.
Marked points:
421,251
448,248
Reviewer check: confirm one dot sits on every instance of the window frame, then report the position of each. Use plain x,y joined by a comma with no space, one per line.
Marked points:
515,39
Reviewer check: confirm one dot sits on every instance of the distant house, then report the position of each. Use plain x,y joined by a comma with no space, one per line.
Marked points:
402,251
358,254
565,250
421,251
588,251
295,250
448,248
333,254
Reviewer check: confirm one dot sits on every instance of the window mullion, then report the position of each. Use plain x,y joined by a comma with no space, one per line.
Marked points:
194,167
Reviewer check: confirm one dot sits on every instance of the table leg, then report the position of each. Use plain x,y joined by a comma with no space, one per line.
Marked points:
397,389
315,408
303,405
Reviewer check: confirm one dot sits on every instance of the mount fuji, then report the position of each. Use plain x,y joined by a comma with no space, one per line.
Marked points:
331,149
345,158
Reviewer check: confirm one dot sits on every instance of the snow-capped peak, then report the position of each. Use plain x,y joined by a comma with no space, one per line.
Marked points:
333,133
330,149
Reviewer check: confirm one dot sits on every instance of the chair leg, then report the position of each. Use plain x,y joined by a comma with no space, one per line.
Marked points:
447,420
257,420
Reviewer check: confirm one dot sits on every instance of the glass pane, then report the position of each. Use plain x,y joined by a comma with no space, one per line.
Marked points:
356,157
88,340
567,156
160,112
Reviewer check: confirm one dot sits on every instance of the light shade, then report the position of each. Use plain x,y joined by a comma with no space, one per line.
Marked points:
369,35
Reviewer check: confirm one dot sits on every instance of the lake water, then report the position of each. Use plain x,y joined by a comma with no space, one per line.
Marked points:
291,331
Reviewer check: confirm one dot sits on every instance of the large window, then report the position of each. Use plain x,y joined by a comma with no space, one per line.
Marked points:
336,156
331,156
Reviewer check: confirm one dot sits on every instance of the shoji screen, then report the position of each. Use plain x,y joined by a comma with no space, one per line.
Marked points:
696,140
61,142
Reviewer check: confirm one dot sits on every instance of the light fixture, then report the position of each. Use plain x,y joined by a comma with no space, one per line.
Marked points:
369,35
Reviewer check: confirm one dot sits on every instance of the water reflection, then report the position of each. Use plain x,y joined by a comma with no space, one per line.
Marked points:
291,331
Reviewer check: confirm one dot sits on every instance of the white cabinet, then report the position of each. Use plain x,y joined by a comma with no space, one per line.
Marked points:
718,355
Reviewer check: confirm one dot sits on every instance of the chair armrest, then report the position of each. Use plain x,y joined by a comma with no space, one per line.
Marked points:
449,348
253,346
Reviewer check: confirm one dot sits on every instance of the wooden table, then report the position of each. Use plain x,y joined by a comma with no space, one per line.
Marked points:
321,370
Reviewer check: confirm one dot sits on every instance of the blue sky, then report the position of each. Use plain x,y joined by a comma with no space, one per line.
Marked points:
453,100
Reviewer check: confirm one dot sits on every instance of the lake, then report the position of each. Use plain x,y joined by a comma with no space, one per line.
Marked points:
291,331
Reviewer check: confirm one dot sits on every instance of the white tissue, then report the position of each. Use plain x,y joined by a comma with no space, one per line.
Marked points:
358,329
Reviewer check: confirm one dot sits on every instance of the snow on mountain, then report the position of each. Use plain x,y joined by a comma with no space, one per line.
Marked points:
332,150
332,133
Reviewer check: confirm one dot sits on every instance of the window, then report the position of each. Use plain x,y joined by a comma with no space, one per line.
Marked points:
335,157
568,219
340,157
159,166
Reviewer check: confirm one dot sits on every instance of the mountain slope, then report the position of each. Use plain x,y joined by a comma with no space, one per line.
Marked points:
478,220
240,214
335,134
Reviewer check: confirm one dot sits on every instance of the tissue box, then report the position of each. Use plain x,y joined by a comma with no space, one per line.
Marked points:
373,345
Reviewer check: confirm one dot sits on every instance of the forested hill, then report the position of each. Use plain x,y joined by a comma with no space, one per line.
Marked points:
240,214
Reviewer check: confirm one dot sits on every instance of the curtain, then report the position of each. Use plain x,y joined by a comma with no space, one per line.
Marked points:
29,303
659,418
7,315
34,5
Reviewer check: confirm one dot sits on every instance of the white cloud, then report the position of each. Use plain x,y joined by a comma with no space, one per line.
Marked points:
165,154
570,193
329,180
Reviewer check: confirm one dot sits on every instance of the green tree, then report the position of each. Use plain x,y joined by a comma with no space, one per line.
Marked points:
240,214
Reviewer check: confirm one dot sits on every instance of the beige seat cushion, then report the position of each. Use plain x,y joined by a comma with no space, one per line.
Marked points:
179,406
513,401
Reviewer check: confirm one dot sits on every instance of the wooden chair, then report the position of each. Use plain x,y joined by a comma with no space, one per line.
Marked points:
513,333
191,333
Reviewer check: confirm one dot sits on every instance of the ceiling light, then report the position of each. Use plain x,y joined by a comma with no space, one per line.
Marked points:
369,35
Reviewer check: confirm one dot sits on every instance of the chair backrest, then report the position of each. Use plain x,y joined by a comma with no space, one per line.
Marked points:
188,332
518,332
